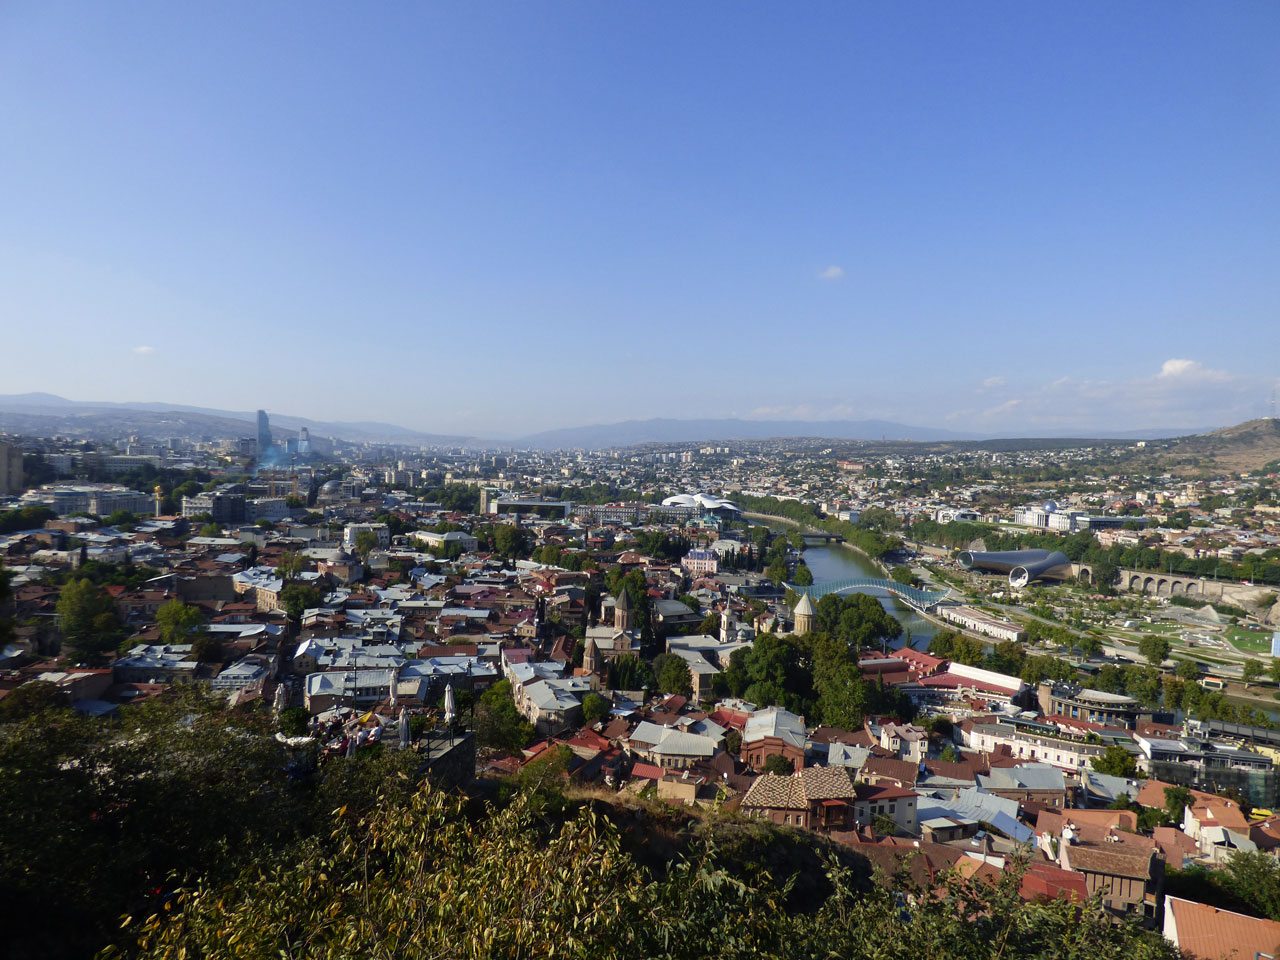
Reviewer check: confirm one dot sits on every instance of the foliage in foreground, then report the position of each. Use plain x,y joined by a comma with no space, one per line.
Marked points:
421,878
101,817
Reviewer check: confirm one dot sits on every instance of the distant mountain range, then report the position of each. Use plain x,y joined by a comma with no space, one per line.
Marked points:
631,432
44,414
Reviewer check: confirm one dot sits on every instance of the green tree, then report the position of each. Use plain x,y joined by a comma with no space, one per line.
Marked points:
594,707
779,765
499,724
366,541
843,696
34,696
904,575
297,598
1088,645
293,721
883,825
25,518
1176,799
804,576
735,674
88,621
775,674
777,571
1254,878
292,563
732,742
864,623
206,648
509,541
542,778
674,675
446,884
628,672
1188,670
116,816
1273,669
6,592
1115,761
176,620
1154,648
122,519
1251,671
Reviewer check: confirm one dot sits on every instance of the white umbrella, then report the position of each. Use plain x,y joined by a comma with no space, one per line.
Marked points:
404,728
450,708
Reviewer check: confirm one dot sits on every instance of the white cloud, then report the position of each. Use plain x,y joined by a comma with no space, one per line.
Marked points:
1191,370
1174,368
992,382
1182,393
832,272
143,351
1007,407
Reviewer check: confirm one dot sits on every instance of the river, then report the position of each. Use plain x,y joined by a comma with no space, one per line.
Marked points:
836,562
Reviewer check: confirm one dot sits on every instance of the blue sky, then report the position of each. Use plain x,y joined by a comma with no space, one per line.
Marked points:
498,218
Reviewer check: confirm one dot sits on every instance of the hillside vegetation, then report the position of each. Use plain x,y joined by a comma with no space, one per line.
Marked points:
200,826
423,877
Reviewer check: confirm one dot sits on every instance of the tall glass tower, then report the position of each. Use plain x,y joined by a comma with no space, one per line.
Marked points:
264,434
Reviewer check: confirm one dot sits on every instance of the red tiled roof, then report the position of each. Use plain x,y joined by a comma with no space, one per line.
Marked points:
1213,934
867,791
890,768
1044,881
646,771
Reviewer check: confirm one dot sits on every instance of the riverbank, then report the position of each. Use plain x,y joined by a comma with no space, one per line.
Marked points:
805,528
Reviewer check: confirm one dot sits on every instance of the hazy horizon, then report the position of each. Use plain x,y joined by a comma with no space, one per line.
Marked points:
1000,219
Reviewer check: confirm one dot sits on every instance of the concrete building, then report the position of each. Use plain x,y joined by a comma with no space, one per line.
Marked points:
10,470
701,563
443,541
979,622
379,530
274,509
99,499
773,732
238,676
225,506
1093,706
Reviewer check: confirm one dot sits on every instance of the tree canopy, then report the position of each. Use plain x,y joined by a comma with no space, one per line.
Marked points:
88,621
422,878
499,724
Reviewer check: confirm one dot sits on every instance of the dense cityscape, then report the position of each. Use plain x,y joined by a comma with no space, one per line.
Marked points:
980,664
666,481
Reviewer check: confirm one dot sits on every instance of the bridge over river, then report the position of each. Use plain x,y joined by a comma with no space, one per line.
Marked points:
915,597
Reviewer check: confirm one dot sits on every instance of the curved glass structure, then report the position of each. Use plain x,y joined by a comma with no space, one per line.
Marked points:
1022,566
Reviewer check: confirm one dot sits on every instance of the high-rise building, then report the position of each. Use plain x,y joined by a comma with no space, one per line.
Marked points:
264,433
304,442
10,470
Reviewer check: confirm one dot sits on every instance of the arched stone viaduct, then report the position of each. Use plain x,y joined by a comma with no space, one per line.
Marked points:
1174,585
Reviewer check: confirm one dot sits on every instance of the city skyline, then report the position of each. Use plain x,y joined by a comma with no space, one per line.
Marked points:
992,220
